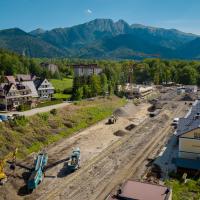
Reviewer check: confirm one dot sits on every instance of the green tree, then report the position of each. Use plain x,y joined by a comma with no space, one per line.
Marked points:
188,75
95,85
78,95
104,84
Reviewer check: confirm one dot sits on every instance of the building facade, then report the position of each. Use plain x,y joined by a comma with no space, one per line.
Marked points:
12,95
188,133
44,88
86,70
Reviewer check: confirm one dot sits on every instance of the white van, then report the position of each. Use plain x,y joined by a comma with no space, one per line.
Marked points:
175,121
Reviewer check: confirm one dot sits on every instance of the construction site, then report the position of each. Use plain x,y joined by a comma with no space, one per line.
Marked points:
94,162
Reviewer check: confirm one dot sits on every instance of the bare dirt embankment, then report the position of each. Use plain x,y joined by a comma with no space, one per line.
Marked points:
92,141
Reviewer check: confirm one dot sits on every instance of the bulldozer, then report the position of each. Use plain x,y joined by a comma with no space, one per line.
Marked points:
112,120
10,157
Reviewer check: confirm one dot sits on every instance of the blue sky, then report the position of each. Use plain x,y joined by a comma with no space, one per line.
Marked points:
47,14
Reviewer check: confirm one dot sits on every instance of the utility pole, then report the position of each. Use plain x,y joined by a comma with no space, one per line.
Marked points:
6,102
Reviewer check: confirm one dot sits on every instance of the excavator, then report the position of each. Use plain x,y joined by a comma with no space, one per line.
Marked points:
10,157
37,173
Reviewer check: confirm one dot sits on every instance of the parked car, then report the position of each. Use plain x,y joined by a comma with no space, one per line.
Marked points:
4,118
10,117
175,121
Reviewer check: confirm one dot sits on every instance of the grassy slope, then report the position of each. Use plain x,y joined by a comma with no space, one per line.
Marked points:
32,133
187,191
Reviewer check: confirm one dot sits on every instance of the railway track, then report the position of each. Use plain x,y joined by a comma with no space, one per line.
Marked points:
99,176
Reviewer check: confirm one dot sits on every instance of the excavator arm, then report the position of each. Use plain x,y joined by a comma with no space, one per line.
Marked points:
10,156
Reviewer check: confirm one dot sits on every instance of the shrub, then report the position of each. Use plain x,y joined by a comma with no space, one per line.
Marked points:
68,124
23,107
44,116
67,91
19,121
53,111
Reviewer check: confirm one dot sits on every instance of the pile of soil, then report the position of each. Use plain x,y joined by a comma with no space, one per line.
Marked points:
188,97
126,111
130,127
120,133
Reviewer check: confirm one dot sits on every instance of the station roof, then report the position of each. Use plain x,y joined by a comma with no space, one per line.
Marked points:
187,163
191,121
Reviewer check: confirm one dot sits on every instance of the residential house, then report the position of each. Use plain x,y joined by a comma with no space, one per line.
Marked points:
142,191
28,81
188,133
44,88
12,95
86,70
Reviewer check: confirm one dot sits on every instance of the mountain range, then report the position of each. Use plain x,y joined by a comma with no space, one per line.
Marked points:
103,38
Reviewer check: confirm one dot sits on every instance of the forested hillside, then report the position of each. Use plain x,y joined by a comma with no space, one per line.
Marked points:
103,39
148,70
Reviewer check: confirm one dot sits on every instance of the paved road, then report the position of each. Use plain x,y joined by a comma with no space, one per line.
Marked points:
41,110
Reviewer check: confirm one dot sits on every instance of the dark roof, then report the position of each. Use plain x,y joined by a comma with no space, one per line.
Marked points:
187,163
38,82
7,87
22,87
191,121
85,66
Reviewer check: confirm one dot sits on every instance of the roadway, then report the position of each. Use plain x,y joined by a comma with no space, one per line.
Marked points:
40,110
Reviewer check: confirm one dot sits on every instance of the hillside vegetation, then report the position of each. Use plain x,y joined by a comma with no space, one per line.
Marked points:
32,133
117,72
103,38
185,191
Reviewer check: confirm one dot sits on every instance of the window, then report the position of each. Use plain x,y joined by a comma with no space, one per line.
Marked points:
196,135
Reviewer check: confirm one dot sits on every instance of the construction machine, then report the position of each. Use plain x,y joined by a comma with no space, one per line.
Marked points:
74,161
10,157
37,174
112,119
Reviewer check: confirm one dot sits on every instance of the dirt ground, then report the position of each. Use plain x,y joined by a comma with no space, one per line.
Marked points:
99,175
91,141
106,159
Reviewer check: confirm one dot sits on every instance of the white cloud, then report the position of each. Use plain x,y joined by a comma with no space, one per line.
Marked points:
88,11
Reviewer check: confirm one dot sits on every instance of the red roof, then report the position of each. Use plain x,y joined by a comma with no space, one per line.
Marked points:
10,79
143,191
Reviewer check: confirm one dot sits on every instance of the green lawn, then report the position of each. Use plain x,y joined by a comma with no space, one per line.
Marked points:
187,191
60,86
65,83
61,96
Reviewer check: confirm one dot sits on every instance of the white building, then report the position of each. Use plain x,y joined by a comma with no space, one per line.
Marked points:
44,88
86,70
188,133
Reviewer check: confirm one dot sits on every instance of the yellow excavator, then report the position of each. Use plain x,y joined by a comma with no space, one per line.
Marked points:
10,157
